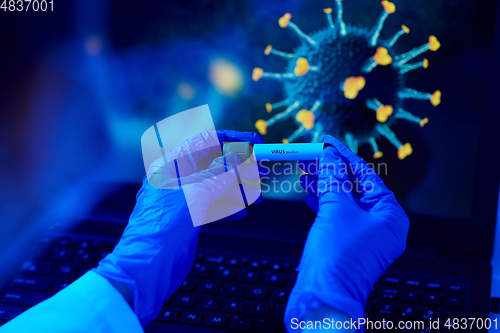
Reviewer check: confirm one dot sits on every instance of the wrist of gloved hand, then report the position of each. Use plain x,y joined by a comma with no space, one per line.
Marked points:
153,269
329,283
359,231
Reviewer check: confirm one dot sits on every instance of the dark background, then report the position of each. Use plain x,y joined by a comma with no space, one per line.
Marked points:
81,84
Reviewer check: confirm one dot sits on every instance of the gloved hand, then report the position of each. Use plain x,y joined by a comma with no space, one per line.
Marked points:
360,229
157,248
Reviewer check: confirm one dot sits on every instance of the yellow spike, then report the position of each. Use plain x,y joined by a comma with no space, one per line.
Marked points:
353,85
378,155
406,29
269,107
426,63
257,74
389,7
436,98
384,112
306,118
268,49
382,57
434,44
261,126
283,21
327,10
404,151
285,141
423,122
301,67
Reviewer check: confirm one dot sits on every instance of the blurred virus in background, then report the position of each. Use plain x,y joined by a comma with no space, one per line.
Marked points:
345,81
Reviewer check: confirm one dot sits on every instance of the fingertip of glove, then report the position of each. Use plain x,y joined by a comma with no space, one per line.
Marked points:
256,138
340,149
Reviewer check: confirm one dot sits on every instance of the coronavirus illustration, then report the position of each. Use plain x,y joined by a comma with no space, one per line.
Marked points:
345,81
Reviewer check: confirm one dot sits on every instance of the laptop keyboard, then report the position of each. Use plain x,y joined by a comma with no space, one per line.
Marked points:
228,292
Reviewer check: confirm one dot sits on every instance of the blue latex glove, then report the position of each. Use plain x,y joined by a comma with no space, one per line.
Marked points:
157,248
355,237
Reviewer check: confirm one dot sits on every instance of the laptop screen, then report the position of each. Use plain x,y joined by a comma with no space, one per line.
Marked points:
189,53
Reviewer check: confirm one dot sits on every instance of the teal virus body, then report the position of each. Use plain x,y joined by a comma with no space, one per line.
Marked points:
346,82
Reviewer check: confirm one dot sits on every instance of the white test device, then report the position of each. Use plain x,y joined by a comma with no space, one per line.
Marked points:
276,151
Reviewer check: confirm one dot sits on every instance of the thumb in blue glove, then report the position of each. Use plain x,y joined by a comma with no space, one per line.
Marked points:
360,229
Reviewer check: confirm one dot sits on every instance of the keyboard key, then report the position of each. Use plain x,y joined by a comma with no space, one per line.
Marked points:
209,287
278,311
275,279
188,285
434,286
211,302
169,315
7,311
392,280
453,302
411,297
31,282
241,323
427,313
40,252
456,288
61,284
215,259
24,297
266,325
84,257
257,292
63,254
264,264
202,271
223,273
250,276
234,289
413,283
37,267
200,257
217,320
386,309
280,295
256,265
390,294
186,300
283,267
432,298
259,308
88,244
192,317
235,305
66,270
407,311
241,262
65,242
